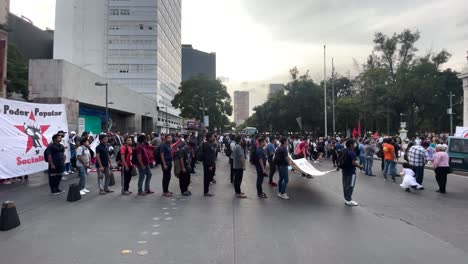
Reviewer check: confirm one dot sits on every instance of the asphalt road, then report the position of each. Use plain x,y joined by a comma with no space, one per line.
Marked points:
391,226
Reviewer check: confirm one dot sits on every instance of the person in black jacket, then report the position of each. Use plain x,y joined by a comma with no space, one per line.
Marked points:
209,158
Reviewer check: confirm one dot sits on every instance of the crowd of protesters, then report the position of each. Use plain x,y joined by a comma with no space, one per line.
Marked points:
134,155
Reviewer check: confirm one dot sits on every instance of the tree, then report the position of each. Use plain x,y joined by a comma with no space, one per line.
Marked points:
200,94
17,72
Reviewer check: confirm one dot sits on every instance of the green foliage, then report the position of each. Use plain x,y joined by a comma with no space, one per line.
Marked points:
17,72
394,81
200,93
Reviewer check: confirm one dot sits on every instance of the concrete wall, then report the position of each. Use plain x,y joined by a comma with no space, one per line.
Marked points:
57,81
32,42
80,33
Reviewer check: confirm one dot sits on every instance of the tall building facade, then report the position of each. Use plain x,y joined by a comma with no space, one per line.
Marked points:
195,62
135,43
241,106
275,88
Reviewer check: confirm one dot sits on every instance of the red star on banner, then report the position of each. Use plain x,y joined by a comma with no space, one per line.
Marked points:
43,129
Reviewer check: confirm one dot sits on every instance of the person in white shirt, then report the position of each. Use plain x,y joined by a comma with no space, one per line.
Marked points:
83,158
408,179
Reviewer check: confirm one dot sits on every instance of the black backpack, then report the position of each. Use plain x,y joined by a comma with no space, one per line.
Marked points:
342,159
46,155
157,155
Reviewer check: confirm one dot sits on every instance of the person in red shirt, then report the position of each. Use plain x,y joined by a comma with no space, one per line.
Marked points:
127,166
389,159
301,151
143,166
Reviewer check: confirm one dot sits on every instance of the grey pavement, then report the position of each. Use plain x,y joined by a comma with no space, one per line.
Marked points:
315,226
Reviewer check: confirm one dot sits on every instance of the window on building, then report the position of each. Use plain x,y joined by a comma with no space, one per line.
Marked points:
124,12
114,12
150,28
142,27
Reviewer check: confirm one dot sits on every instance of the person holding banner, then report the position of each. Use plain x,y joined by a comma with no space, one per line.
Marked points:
103,165
55,154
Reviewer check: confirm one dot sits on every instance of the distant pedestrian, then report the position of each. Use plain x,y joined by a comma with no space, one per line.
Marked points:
369,151
56,159
441,167
348,171
260,160
103,165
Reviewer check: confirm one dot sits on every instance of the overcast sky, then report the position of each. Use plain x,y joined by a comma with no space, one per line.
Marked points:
258,41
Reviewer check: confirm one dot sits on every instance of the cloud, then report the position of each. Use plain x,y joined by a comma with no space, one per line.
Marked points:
350,21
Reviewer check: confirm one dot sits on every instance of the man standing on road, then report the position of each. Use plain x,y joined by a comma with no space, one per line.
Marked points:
238,165
283,161
183,157
417,158
56,160
166,160
209,158
260,165
103,165
83,157
271,153
389,159
348,171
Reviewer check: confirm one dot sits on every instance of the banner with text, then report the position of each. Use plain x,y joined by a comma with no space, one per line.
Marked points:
25,132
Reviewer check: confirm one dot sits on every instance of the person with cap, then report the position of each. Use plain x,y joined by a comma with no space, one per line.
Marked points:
348,171
103,165
65,145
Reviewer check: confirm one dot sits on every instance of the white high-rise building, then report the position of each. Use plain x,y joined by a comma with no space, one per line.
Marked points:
136,43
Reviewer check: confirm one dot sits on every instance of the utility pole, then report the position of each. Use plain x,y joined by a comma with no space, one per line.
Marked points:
451,113
325,86
333,95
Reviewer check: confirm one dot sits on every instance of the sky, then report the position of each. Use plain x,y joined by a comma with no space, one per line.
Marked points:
258,41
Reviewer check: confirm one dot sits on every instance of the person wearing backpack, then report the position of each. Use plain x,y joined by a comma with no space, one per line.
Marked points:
348,165
55,156
126,154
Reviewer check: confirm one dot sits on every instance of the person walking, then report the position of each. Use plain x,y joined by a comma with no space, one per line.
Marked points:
103,165
55,154
271,153
83,163
208,156
348,171
389,159
126,153
260,165
238,165
441,167
417,159
282,161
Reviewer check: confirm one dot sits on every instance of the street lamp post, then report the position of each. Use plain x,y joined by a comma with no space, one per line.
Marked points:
107,103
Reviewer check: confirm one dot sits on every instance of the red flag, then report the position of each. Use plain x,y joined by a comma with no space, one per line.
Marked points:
354,133
376,135
359,128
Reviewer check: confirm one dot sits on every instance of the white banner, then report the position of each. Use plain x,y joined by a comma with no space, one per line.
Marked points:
304,166
461,132
25,132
